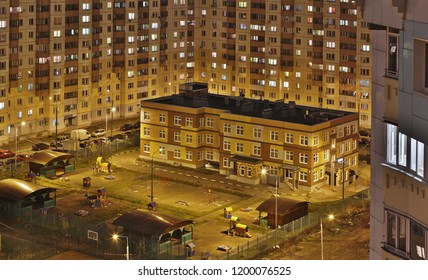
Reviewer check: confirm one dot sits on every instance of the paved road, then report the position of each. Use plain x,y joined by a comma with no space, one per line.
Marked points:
129,160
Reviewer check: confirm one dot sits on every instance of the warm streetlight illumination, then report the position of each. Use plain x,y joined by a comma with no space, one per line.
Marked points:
16,142
152,165
342,161
116,237
56,121
330,217
113,109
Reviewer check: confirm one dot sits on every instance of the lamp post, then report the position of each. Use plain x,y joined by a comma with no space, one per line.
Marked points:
16,143
151,176
330,218
264,172
113,109
56,121
276,209
342,161
116,237
170,91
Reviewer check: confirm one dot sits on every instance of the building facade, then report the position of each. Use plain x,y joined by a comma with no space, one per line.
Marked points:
399,189
240,137
68,63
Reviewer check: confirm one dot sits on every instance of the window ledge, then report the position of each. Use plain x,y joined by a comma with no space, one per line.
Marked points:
395,251
414,176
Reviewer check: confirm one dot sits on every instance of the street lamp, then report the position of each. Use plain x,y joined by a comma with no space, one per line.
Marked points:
116,237
342,161
16,142
151,177
56,122
276,209
113,109
264,172
330,218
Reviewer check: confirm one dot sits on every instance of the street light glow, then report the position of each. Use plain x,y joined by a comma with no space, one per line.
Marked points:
151,174
330,217
116,237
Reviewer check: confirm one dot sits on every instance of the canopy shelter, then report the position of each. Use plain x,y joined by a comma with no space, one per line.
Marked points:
51,164
19,198
157,232
287,210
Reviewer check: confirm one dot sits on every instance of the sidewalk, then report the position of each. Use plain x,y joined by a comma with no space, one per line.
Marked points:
128,160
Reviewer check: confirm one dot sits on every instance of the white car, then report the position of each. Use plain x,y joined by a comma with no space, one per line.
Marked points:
98,132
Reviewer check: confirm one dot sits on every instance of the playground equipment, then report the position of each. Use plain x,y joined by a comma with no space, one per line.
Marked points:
102,165
233,221
242,230
228,212
238,229
96,200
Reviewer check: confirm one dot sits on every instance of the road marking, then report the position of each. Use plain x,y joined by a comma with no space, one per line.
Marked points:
221,182
205,179
188,175
179,173
172,171
164,170
196,177
229,183
238,185
213,180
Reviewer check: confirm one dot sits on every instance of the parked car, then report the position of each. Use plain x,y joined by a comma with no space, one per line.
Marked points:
62,137
40,146
22,157
126,127
98,132
84,144
6,153
121,136
55,144
136,124
111,138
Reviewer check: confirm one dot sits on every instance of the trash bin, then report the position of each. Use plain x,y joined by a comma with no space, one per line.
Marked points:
86,182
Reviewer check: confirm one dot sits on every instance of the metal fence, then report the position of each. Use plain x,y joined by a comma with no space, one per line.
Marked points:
49,234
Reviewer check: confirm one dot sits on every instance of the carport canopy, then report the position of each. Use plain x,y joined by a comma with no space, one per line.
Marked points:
283,206
46,157
16,190
151,223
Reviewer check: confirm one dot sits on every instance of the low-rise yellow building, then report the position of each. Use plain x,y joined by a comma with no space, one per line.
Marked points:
297,146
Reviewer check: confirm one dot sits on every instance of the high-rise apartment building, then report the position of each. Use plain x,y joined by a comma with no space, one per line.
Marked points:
67,63
399,189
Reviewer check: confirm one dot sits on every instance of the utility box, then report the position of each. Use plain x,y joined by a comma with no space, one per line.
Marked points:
86,182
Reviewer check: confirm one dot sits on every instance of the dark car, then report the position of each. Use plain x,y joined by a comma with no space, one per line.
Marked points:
126,127
22,157
121,136
84,145
40,146
6,153
136,125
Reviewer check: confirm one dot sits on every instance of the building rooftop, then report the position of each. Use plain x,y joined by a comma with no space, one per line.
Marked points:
193,95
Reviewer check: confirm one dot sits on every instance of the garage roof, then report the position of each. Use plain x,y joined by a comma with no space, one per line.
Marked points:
284,205
44,157
151,223
15,189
